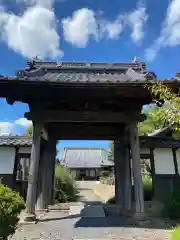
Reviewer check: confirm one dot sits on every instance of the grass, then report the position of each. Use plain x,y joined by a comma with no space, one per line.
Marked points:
176,234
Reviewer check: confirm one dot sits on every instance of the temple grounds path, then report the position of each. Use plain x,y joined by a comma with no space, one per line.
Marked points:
62,225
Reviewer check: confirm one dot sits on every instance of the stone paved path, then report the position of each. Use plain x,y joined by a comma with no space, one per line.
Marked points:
58,225
86,193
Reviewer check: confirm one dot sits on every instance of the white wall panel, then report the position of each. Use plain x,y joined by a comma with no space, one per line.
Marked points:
163,161
7,157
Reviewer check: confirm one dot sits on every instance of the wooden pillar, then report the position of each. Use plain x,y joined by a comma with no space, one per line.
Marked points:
46,175
128,182
41,192
138,186
118,173
33,172
122,174
51,169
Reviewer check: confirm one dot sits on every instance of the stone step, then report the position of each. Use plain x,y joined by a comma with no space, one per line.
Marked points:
88,211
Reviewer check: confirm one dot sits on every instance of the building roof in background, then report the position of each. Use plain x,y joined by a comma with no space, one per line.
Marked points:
159,142
85,158
162,132
156,140
16,141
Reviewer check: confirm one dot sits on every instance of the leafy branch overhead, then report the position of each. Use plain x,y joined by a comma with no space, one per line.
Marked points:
170,111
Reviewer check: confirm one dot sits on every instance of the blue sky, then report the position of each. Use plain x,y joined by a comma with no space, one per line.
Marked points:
86,30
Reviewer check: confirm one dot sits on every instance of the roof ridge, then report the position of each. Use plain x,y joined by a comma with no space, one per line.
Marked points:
15,137
83,148
35,63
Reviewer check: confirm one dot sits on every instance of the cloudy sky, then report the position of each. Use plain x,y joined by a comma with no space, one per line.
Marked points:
86,30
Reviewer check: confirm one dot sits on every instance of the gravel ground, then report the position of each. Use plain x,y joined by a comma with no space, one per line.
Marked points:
60,225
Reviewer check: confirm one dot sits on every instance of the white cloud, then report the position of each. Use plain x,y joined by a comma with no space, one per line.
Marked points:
34,32
83,25
80,27
6,128
23,122
170,32
42,3
112,29
137,20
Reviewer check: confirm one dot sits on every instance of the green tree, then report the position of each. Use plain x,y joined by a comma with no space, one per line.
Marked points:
154,120
170,111
29,130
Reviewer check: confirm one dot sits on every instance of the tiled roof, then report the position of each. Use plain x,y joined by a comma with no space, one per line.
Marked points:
15,141
85,158
160,132
85,72
163,142
92,153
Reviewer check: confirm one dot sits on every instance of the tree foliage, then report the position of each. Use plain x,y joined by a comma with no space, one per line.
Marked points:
29,130
153,120
170,111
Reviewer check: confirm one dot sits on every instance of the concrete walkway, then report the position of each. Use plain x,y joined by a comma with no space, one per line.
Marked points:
59,225
87,211
86,192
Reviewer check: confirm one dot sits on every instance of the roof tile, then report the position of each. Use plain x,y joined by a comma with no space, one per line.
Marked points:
85,158
85,72
15,141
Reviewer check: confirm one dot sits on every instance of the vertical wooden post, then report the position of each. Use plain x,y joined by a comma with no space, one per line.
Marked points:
46,175
128,182
40,204
122,174
138,186
33,172
51,169
117,173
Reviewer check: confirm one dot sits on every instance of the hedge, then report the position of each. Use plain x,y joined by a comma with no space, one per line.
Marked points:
11,205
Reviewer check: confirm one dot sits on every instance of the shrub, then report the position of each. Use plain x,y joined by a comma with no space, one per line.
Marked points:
11,205
147,187
172,206
107,177
65,189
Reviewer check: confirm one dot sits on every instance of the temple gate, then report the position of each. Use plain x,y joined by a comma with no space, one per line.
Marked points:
82,101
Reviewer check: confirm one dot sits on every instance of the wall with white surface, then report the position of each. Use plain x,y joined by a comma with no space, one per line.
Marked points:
178,159
163,161
7,157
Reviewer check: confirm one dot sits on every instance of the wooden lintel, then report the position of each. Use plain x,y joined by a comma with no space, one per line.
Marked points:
84,116
75,131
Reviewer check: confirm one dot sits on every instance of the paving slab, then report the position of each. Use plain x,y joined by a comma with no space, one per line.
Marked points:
87,211
76,210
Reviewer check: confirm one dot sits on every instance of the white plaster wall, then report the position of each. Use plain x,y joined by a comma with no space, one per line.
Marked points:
178,159
25,150
144,151
7,157
163,161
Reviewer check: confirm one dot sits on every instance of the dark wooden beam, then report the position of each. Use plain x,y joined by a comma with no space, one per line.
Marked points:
10,101
82,131
84,116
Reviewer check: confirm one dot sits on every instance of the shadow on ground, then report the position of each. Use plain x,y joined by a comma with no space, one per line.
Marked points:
109,221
